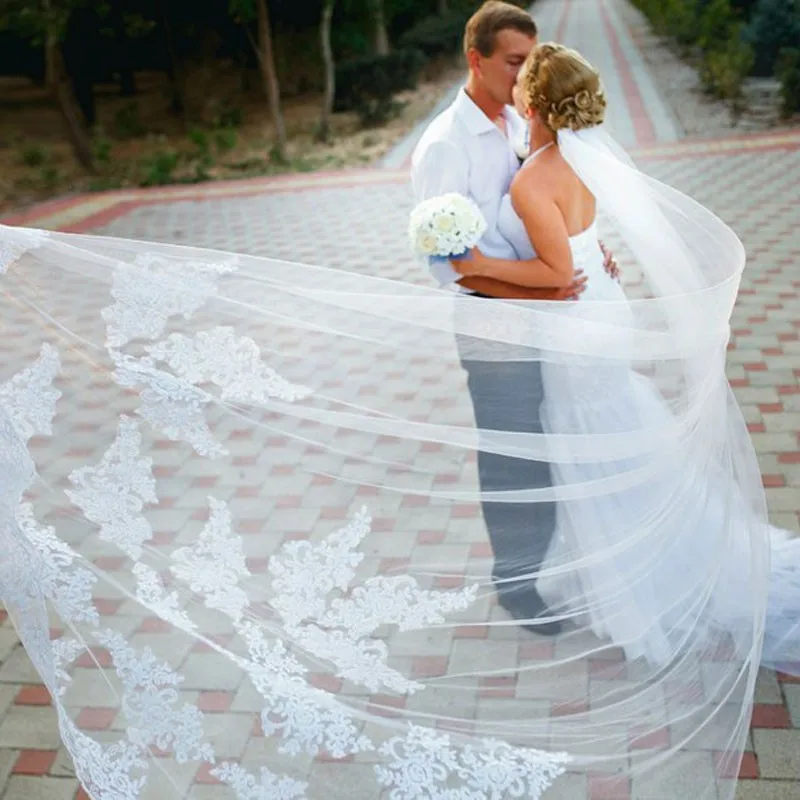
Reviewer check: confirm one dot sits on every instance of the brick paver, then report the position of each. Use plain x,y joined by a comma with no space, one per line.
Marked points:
356,221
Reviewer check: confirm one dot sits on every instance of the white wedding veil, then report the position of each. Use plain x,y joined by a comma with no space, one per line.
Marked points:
246,508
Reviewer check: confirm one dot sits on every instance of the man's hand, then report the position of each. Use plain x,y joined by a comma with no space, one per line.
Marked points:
574,290
610,265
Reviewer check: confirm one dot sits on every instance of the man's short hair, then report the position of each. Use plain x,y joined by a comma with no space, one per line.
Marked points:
491,18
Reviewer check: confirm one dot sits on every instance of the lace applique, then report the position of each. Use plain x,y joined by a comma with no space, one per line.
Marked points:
29,397
305,574
155,288
65,651
423,762
231,362
213,565
105,772
267,786
151,593
148,700
16,465
270,661
67,587
113,493
307,718
14,243
169,404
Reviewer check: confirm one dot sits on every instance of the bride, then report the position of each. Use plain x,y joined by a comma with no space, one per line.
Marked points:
240,516
694,513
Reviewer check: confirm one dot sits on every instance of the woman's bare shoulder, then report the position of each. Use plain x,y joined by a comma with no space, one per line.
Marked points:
542,172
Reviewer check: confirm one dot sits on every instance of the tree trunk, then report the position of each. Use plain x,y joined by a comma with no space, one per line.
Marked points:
77,47
61,87
443,7
176,72
324,131
127,81
381,37
269,75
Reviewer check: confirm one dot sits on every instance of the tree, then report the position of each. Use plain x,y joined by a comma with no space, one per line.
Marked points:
245,11
44,22
323,132
380,36
442,7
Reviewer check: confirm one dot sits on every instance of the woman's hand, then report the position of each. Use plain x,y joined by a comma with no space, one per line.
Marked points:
471,265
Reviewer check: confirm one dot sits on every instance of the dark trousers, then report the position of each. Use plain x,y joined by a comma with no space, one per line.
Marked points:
506,395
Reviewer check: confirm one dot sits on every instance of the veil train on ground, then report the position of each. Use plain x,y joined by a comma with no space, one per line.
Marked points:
242,526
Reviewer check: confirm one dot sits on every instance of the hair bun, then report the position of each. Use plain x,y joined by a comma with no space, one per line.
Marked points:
584,109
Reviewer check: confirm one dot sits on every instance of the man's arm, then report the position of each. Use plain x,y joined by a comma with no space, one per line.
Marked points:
441,169
512,291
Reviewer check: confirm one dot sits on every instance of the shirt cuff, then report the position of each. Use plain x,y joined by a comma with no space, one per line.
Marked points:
444,274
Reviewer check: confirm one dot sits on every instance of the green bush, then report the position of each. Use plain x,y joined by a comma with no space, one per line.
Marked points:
725,68
34,155
436,35
788,71
50,176
713,26
775,25
367,85
229,117
127,122
102,149
225,140
159,169
680,19
716,25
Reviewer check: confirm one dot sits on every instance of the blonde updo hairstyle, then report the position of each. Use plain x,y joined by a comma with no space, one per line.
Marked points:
563,87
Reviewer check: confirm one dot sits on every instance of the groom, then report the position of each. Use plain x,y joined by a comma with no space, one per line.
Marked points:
469,149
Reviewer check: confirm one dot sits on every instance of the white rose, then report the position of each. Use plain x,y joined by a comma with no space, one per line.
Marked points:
443,222
426,244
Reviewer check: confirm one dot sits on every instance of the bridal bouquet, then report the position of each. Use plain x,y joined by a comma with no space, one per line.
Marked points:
445,227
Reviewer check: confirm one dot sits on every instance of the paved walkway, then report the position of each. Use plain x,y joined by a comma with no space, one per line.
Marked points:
750,181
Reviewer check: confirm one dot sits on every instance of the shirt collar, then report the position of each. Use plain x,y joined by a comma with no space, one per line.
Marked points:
476,121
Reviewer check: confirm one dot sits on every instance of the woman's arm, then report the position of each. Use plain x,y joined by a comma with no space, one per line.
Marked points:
547,231
512,291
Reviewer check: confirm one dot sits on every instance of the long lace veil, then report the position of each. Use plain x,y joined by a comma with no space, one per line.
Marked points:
243,529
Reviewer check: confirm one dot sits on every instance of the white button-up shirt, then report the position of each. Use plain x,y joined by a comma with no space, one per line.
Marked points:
464,151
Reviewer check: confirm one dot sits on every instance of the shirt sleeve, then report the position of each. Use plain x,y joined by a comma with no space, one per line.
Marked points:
442,168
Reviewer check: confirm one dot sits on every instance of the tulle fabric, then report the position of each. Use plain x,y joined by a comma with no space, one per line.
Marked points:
243,525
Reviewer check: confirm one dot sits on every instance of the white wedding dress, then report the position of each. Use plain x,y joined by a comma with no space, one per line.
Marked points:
640,591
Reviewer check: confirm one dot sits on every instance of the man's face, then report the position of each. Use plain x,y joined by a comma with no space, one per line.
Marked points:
498,72
518,94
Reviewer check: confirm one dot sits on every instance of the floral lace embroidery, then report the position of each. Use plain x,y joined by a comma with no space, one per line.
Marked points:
304,574
424,763
267,786
151,593
65,651
213,565
113,493
104,771
231,362
153,289
307,718
148,700
67,587
169,404
29,397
